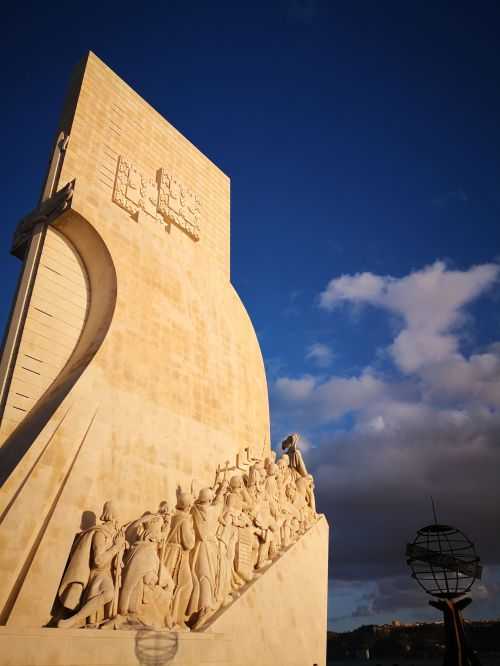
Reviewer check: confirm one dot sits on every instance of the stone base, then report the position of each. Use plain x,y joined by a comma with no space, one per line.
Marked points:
91,647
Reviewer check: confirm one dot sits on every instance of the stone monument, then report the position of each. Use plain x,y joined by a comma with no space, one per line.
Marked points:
140,500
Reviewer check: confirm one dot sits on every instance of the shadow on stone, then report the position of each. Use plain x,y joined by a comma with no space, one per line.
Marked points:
89,520
155,648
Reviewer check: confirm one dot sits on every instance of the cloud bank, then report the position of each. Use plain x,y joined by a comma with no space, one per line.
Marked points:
430,302
426,424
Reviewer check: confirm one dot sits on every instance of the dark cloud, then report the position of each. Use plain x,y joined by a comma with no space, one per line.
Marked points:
392,595
375,489
362,611
401,593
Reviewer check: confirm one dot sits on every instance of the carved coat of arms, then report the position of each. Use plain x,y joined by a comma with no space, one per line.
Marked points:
164,200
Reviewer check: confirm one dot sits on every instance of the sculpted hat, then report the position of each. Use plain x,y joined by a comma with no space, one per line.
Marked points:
108,511
184,500
205,495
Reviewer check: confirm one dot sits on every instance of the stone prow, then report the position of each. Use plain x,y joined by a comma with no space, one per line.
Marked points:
298,635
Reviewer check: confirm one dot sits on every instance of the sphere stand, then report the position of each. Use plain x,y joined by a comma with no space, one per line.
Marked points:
458,651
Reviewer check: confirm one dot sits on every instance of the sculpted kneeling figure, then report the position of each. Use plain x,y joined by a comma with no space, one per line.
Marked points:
147,588
90,580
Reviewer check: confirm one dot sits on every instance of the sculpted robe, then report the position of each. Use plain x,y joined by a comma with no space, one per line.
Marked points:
142,561
181,541
235,537
142,599
85,575
77,574
297,463
204,557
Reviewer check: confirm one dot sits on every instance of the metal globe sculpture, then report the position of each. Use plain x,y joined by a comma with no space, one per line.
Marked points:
443,561
445,564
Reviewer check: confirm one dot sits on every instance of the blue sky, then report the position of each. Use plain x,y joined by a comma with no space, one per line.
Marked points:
363,148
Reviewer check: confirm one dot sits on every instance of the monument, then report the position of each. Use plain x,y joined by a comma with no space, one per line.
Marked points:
139,490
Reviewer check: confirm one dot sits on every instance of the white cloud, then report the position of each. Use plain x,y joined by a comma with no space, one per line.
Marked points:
340,395
294,390
429,301
320,354
364,287
323,402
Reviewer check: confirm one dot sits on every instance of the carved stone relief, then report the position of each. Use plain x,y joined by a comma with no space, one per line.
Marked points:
178,204
164,200
176,570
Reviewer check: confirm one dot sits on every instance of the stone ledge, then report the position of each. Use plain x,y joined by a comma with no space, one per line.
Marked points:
91,647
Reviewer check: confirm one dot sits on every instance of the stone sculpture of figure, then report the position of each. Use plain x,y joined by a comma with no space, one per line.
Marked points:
241,561
270,459
90,580
266,530
254,487
290,523
141,560
227,536
271,484
237,487
310,497
285,475
307,516
205,565
238,532
290,445
284,478
180,542
145,597
133,528
275,499
267,519
294,508
256,491
165,515
260,470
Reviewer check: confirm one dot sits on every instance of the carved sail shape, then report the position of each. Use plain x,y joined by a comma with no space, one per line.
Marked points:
95,291
57,311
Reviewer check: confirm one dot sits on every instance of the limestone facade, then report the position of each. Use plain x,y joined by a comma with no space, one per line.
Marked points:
131,367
